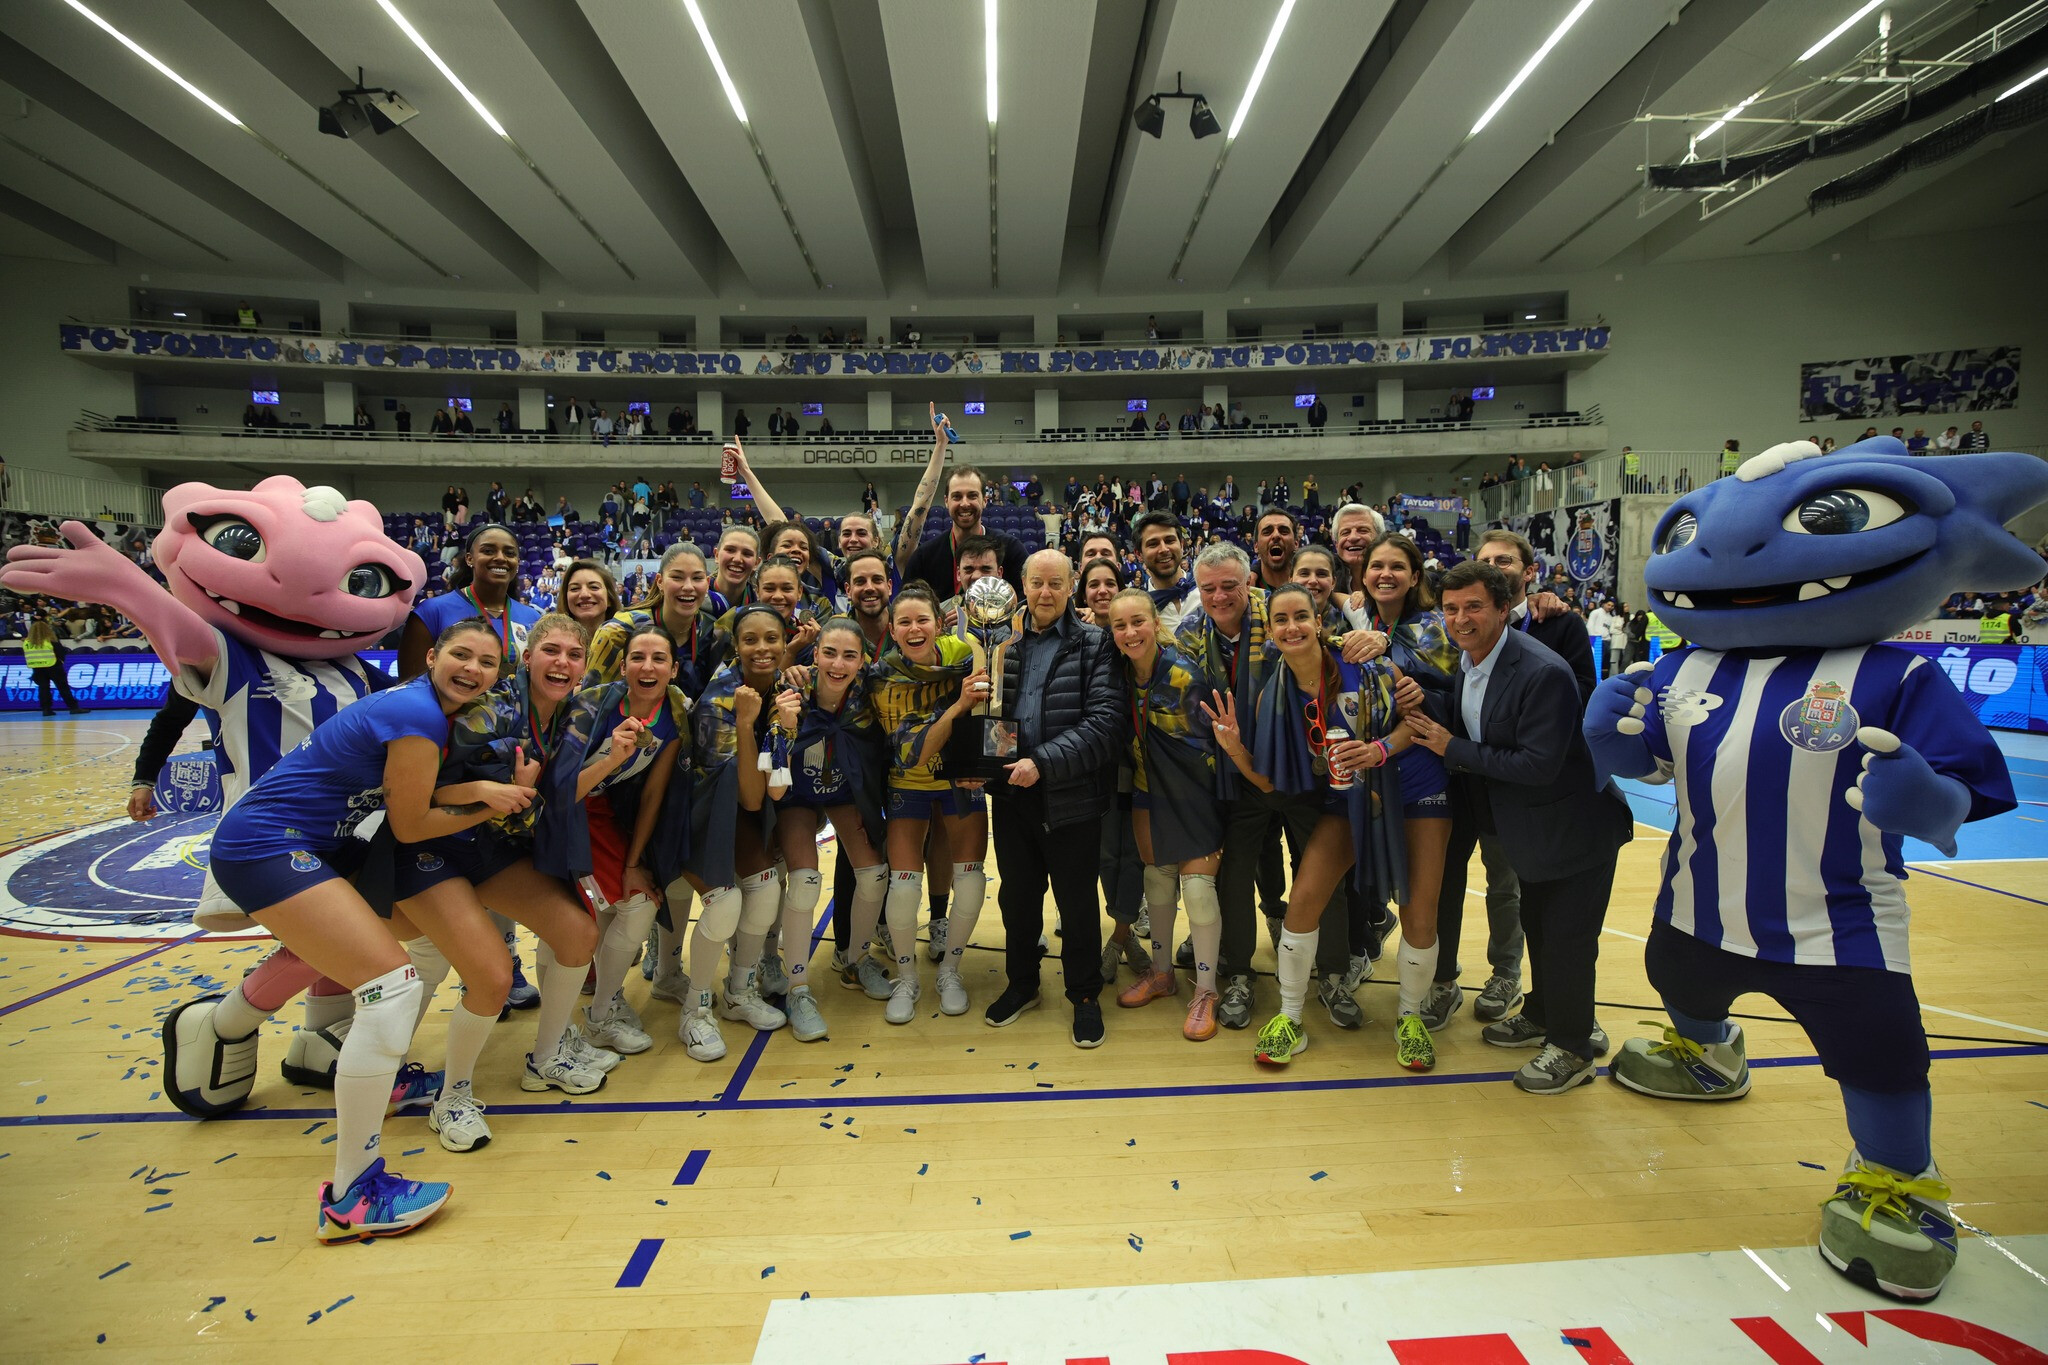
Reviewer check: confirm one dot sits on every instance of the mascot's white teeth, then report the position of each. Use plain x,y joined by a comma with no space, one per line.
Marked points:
1837,583
1680,600
332,635
235,607
1809,591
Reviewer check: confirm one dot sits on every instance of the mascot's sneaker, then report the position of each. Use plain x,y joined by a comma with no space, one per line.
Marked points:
311,1058
1680,1069
1888,1231
378,1204
204,1076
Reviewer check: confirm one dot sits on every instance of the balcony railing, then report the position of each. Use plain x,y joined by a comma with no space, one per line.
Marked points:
72,497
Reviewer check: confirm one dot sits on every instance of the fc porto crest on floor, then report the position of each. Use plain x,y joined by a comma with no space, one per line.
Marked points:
117,880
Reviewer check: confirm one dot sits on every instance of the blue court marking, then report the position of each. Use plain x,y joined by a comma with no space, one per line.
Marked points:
692,1167
1994,890
752,1057
93,976
98,713
642,1261
1033,1096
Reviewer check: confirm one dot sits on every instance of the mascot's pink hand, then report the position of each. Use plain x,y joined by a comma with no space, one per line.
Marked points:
94,571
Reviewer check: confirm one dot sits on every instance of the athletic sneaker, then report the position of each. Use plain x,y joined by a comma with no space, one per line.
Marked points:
1517,1030
935,949
204,1076
1184,956
590,980
1554,1071
650,952
1137,955
903,1000
747,1006
1888,1231
1200,1025
585,1053
865,974
1087,1023
1498,998
700,1035
1147,988
377,1204
1234,1010
1344,1011
616,1027
1413,1047
1680,1069
952,991
1279,1041
1009,1006
806,1023
887,940
413,1088
671,983
1357,973
1141,927
458,1120
770,977
560,1072
1274,924
524,995
1112,955
1443,1001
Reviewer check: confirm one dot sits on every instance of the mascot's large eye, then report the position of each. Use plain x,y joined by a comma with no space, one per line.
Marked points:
1681,533
1840,511
369,580
232,536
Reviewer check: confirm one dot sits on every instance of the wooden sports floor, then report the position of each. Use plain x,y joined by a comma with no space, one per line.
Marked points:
941,1157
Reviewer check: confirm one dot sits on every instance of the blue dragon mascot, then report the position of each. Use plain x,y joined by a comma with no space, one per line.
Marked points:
1803,752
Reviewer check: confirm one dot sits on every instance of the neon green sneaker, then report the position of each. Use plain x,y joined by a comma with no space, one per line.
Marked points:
1889,1231
1279,1040
1680,1069
1413,1047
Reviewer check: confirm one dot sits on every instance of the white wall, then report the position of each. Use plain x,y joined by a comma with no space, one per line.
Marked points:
46,387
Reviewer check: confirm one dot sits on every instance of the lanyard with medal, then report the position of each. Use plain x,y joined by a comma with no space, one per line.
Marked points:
500,623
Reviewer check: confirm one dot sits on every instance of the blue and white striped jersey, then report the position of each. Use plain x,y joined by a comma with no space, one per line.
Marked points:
1767,859
268,705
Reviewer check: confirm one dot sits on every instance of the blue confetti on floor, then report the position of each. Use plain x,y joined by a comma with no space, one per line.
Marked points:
412,1151
924,1167
1813,1165
214,1301
153,1208
229,1157
1320,1175
604,1175
766,1271
117,1269
1020,1236
1137,1242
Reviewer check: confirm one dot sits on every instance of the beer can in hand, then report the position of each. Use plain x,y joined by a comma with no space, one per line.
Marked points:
729,464
1341,778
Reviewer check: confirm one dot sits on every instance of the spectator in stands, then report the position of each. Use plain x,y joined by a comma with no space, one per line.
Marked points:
1318,413
828,337
1277,537
1546,487
527,511
563,510
1975,439
402,421
675,420
1071,495
363,420
441,424
1209,422
1151,329
1311,497
740,425
853,338
1160,427
1281,493
463,426
825,427
250,417
796,340
507,423
1138,427
1189,422
574,416
1948,443
776,424
696,496
495,502
1600,624
450,500
600,427
1181,493
1916,444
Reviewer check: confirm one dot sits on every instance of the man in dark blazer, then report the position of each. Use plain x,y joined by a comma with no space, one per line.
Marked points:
1509,734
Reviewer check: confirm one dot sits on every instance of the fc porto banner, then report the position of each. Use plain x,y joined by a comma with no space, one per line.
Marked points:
339,353
1584,539
1905,386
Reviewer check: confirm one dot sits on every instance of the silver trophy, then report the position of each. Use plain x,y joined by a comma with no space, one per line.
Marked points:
987,611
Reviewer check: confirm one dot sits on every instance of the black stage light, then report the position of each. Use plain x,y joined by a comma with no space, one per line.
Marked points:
1202,122
331,121
1150,116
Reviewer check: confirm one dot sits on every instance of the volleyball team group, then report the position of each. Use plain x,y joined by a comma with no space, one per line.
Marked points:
597,773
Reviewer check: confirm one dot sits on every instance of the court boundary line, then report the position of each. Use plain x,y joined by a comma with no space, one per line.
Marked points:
76,982
795,1102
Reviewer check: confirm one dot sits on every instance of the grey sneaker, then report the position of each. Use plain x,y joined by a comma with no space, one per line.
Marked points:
1112,953
1344,1011
770,976
1184,956
1357,974
1554,1071
1498,998
671,983
1137,956
1235,1010
806,1024
745,1004
1597,1039
903,1001
1141,927
866,975
936,949
616,1027
458,1120
952,992
1444,1000
1515,1031
1274,924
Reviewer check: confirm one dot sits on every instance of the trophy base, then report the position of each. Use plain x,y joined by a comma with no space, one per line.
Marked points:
981,750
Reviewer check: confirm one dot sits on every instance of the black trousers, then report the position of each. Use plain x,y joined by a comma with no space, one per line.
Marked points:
56,674
1562,919
1034,858
1253,826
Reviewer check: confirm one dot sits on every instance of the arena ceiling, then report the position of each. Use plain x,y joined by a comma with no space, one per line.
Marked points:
599,148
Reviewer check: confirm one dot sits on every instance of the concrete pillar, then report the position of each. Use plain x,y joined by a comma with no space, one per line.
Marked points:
532,407
1391,405
881,411
705,337
878,334
339,401
1216,326
1045,409
1045,327
711,412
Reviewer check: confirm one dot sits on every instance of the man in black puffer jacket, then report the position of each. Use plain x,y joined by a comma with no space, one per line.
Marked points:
1060,686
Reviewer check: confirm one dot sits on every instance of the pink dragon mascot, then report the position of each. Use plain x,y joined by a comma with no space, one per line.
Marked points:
271,594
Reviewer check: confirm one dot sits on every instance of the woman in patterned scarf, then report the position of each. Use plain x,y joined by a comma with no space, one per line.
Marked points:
778,583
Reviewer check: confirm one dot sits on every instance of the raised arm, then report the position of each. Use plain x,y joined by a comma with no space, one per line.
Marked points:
763,502
927,489
94,571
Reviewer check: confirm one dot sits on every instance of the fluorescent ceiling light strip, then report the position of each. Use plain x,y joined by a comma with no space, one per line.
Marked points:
1722,122
2025,83
1244,106
1838,30
989,12
124,40
1555,37
718,63
443,67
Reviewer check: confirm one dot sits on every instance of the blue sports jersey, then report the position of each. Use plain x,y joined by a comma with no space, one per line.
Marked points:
319,792
439,613
265,705
1798,875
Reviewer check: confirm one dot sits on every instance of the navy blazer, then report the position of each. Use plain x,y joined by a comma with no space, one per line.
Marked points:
1533,773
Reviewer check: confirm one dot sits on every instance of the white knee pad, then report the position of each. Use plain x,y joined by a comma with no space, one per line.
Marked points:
968,878
871,881
386,1011
1162,885
720,914
432,966
806,888
908,886
636,913
1198,894
760,902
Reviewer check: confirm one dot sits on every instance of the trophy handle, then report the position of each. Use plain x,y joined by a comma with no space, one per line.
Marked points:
981,665
995,678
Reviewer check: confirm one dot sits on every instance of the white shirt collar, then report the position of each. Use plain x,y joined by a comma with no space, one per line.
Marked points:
1484,668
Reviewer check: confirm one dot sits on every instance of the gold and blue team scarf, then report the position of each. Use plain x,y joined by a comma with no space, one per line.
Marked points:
1174,759
908,697
715,791
1224,667
486,736
594,713
697,657
849,743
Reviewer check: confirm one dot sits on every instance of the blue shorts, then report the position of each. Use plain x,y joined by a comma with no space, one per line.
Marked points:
423,866
1425,786
1141,800
256,884
917,805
